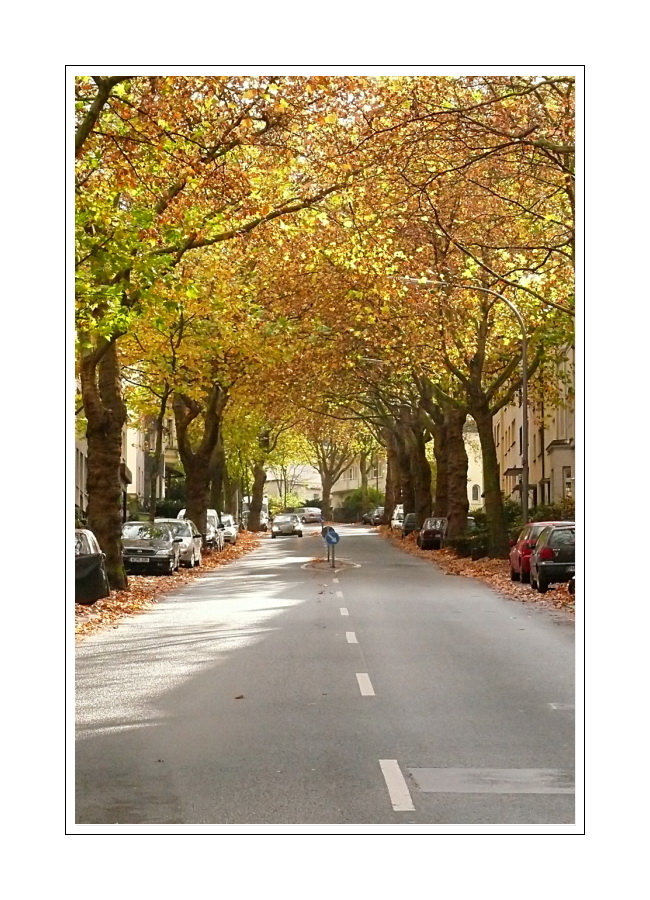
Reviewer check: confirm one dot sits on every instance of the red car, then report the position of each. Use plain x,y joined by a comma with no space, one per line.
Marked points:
522,548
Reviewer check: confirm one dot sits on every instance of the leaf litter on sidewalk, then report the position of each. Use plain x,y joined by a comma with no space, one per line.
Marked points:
146,590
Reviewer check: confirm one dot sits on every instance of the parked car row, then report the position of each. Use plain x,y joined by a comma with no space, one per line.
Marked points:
544,554
160,546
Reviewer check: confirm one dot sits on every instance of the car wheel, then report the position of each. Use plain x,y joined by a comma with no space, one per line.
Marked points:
514,576
542,584
273,536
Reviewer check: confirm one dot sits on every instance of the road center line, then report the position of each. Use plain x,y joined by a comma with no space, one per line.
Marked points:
351,637
396,783
339,593
335,580
365,686
344,611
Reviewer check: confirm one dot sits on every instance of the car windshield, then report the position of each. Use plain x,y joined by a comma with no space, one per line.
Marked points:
180,528
410,517
81,545
285,519
435,523
145,531
227,520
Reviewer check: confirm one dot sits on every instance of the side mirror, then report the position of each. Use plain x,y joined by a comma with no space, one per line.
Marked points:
221,526
178,540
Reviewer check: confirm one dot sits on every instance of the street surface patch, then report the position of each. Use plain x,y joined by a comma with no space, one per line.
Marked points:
494,781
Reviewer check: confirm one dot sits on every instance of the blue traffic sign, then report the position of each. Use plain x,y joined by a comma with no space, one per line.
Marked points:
332,537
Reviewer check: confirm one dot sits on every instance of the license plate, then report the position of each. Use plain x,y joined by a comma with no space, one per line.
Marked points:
137,559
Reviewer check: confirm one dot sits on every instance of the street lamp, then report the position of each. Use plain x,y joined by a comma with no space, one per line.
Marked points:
524,375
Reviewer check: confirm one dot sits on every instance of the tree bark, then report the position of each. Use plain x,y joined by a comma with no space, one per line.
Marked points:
257,497
106,416
420,477
393,486
494,511
218,472
457,465
157,456
196,460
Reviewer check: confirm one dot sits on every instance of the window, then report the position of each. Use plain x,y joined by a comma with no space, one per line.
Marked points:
567,482
476,492
521,441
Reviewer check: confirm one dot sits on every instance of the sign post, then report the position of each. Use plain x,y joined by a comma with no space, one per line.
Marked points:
331,539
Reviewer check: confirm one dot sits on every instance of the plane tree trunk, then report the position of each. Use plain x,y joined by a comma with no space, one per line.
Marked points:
106,416
196,457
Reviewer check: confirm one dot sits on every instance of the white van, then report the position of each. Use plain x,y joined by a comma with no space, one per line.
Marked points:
398,516
213,531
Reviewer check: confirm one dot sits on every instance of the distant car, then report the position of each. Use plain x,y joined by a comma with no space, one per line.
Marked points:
90,577
522,548
192,541
408,525
230,529
287,523
373,516
150,546
308,514
553,560
432,533
397,517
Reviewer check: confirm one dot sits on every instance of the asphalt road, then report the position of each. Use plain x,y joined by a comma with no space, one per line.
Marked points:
268,692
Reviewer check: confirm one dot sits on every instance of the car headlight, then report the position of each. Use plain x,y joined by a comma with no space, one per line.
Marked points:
164,552
275,528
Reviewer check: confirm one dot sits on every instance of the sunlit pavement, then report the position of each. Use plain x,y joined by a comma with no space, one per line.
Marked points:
388,693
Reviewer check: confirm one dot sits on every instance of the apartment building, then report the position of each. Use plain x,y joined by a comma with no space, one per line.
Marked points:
551,446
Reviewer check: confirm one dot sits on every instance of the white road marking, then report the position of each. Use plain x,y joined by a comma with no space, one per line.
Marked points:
339,594
351,637
397,788
344,611
335,580
365,686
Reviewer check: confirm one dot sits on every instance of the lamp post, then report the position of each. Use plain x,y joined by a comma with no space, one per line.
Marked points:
524,375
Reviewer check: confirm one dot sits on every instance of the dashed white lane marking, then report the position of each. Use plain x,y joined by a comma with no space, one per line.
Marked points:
335,580
344,611
351,637
365,686
397,788
339,593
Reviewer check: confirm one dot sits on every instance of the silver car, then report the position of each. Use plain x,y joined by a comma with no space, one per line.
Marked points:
288,523
230,528
191,543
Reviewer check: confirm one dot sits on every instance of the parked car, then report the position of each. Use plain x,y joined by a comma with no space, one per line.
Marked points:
90,577
150,546
408,525
522,548
213,531
230,529
553,559
373,516
191,543
432,533
286,523
308,514
397,517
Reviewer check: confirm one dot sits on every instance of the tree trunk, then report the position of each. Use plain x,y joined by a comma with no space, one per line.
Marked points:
217,476
157,457
196,461
393,494
494,511
106,416
441,454
257,497
327,482
457,464
420,476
